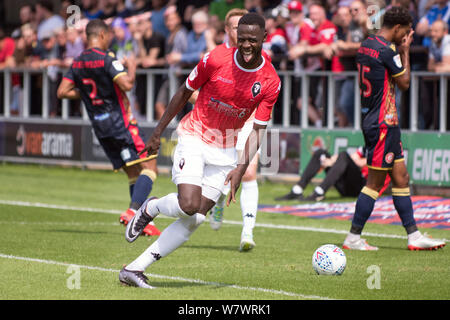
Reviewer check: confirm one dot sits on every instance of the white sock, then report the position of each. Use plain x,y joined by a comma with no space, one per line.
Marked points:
319,190
352,237
170,239
167,205
249,205
297,189
414,236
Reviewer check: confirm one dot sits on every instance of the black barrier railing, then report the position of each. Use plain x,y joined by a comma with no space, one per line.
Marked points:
22,88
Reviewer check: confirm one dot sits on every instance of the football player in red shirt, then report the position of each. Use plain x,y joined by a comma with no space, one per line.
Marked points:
234,83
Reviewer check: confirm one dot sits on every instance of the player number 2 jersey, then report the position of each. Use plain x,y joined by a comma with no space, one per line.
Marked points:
94,72
228,96
378,63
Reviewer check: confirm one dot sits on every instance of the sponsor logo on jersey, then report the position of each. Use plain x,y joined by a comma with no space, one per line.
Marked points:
226,108
225,80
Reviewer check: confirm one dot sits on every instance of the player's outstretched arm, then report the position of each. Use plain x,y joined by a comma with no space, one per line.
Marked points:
67,90
176,104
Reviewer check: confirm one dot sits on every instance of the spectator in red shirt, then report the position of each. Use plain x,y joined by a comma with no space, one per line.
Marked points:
298,28
322,37
6,48
318,52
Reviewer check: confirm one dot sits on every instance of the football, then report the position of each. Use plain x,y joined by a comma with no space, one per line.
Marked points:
329,260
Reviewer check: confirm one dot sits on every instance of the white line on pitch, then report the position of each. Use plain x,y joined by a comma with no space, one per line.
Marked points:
209,283
232,222
60,223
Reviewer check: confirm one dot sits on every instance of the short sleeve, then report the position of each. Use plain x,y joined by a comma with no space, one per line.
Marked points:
114,67
305,32
393,62
201,73
69,75
264,109
328,35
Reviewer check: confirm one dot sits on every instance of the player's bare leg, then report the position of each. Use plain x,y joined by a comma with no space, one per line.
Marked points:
141,177
402,202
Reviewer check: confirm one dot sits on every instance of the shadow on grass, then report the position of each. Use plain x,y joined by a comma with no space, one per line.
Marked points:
181,284
213,247
79,231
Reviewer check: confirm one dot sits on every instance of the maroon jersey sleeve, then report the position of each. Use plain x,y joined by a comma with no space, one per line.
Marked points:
70,75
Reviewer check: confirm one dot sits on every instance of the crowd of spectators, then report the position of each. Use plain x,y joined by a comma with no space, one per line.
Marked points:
308,35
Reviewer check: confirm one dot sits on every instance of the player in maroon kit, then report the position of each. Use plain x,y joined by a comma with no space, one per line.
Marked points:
101,81
234,82
383,63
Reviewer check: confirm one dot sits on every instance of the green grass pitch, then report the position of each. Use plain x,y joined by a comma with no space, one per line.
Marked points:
60,239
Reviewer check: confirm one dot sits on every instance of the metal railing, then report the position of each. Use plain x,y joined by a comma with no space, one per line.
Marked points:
285,97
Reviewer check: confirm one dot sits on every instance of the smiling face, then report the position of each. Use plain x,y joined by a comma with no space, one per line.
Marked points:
317,15
250,39
438,30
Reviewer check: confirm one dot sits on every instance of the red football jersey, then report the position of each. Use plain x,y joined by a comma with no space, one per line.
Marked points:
228,96
326,33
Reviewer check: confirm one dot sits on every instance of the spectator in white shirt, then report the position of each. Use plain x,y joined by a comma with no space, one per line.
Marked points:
439,55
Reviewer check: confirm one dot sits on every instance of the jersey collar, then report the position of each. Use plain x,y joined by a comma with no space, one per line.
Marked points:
248,70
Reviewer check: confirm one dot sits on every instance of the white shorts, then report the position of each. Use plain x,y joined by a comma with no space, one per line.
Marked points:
243,136
195,162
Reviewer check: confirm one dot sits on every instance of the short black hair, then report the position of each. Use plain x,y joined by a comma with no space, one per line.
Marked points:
94,27
397,15
253,18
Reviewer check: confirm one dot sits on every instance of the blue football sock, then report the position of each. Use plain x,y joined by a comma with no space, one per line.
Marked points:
141,190
402,203
363,209
131,189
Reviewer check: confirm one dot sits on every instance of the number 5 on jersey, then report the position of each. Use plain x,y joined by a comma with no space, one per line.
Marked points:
363,81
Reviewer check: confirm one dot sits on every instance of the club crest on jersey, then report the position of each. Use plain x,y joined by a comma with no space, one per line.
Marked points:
389,157
256,89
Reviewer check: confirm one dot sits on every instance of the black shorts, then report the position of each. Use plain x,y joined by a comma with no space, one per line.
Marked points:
383,147
121,140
